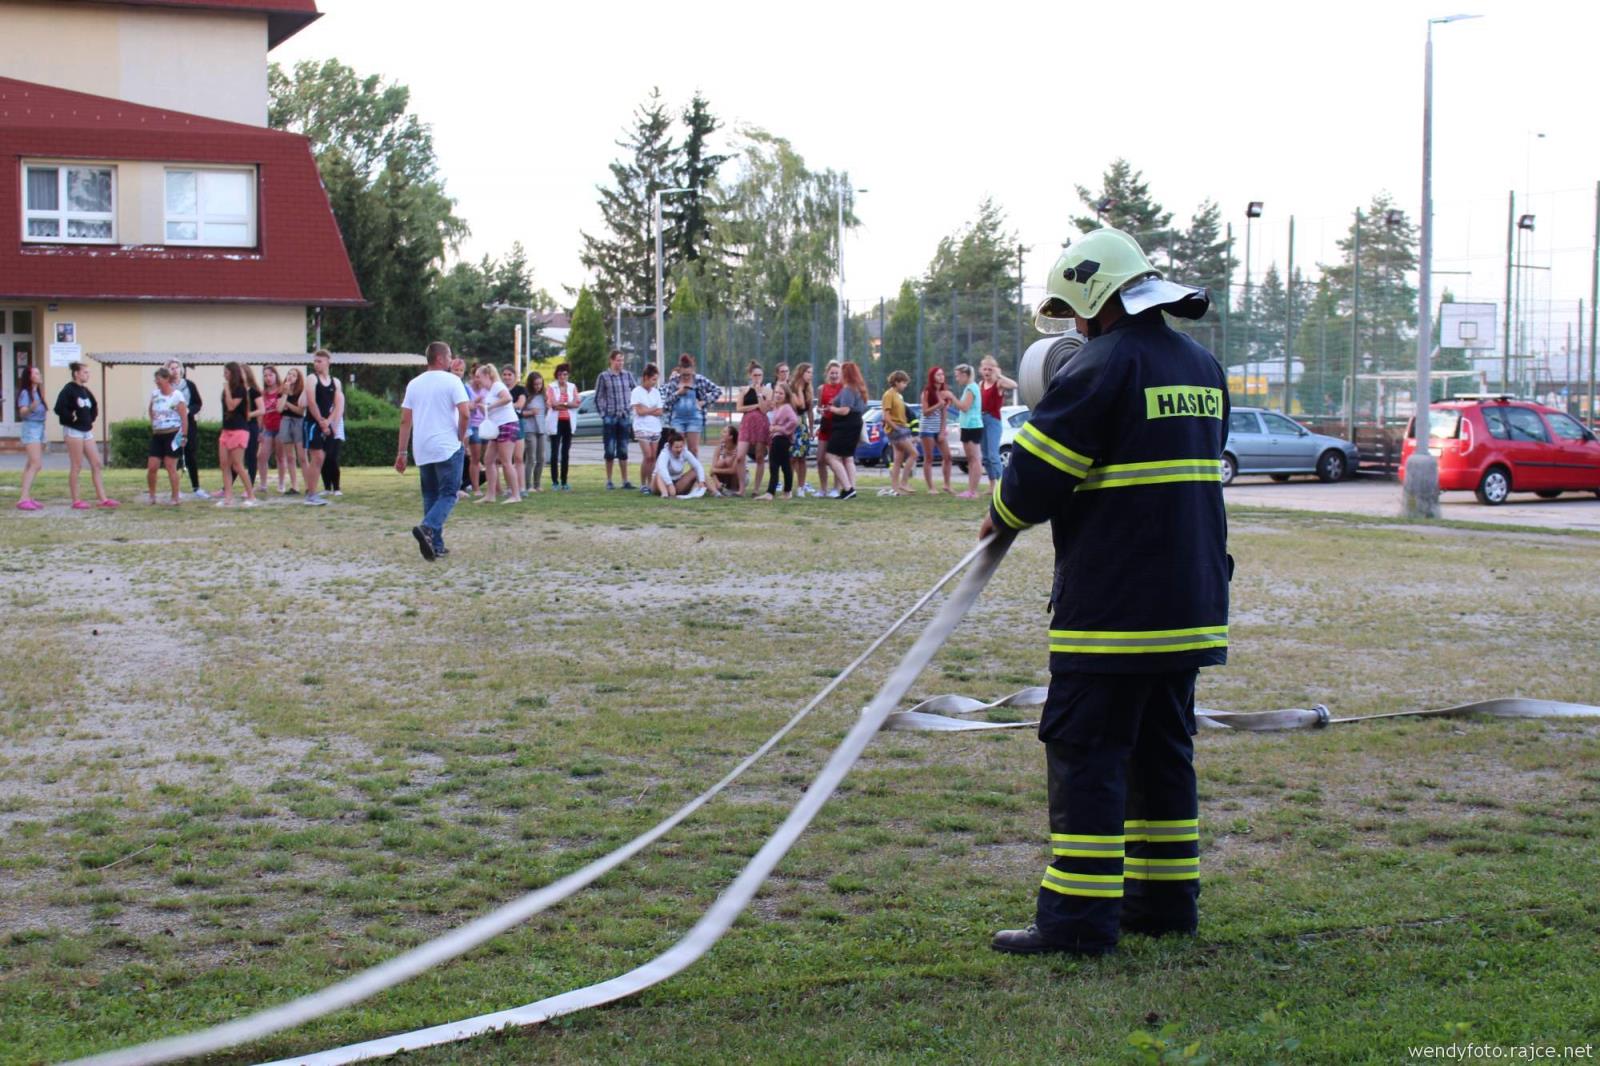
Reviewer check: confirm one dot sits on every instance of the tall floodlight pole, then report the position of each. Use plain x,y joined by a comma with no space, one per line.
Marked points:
1421,498
1594,308
1252,212
661,310
843,188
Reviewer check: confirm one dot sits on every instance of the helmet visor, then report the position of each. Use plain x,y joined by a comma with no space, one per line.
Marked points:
1053,316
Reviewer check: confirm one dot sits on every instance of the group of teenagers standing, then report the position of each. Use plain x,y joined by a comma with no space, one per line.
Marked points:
292,421
782,424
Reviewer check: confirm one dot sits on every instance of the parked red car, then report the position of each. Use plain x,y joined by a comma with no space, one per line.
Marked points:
1497,445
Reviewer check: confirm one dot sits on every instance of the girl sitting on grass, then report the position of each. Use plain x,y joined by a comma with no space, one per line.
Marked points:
678,472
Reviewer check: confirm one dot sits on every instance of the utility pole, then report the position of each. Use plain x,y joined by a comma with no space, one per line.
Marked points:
1355,331
1288,329
1594,305
1511,233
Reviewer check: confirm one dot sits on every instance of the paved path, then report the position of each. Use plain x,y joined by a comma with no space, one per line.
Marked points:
1376,496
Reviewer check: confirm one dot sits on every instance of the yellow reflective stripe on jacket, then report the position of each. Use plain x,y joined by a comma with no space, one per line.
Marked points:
1005,512
1137,641
1081,846
1165,471
1140,869
1107,886
1053,452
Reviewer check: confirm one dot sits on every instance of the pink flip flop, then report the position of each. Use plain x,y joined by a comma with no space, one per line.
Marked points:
29,505
109,504
82,505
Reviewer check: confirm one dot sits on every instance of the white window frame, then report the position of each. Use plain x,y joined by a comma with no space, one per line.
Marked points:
63,216
200,220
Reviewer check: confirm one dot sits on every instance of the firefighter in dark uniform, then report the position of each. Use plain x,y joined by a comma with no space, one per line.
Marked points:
1122,456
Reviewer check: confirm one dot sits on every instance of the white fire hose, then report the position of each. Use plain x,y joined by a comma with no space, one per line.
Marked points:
936,714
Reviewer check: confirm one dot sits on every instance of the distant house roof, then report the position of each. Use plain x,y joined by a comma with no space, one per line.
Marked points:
299,258
285,18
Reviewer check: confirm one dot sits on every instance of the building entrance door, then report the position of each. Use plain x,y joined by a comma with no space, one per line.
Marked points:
16,352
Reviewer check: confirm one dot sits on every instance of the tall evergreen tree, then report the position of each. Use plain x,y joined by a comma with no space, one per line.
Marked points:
1388,300
1124,202
692,237
623,258
586,340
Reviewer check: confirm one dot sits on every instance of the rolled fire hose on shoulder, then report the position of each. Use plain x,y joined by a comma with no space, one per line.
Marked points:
459,941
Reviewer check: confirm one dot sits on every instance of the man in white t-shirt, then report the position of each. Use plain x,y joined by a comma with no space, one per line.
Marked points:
434,416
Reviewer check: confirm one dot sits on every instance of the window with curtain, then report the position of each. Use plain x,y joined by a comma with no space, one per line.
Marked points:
211,207
70,204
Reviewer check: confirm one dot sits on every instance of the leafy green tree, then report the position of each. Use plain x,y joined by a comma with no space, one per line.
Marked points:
779,225
1128,206
586,341
623,257
900,334
981,255
377,163
461,319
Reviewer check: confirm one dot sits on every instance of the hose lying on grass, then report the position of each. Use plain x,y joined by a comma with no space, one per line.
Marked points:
931,714
459,941
934,715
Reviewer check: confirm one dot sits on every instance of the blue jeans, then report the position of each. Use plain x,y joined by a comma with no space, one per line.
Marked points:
991,447
616,431
440,482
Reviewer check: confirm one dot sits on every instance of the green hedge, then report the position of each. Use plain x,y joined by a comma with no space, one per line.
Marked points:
368,443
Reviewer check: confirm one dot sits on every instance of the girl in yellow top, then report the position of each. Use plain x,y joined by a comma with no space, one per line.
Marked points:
898,427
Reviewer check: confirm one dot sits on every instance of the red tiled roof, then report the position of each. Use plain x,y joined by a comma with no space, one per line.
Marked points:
285,18
300,256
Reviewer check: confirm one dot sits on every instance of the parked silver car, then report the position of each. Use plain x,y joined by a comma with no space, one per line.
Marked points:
1266,442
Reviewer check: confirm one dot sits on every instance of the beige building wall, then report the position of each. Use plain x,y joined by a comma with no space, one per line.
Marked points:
161,328
199,62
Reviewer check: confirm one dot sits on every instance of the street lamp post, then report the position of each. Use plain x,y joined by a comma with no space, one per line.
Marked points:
526,355
1421,499
661,311
1252,212
839,338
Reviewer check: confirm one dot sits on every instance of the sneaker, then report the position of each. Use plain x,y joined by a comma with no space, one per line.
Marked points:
694,493
201,494
224,502
644,490
440,550
609,486
291,492
248,503
336,492
626,484
848,494
315,501
425,542
831,494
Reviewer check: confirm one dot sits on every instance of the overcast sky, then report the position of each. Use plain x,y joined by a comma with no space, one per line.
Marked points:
933,106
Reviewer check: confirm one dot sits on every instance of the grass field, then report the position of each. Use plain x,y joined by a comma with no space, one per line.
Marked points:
244,754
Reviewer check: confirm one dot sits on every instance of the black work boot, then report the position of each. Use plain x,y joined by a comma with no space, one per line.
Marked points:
1030,941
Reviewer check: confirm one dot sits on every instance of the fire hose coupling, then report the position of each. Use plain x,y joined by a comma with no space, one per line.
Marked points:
1323,717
